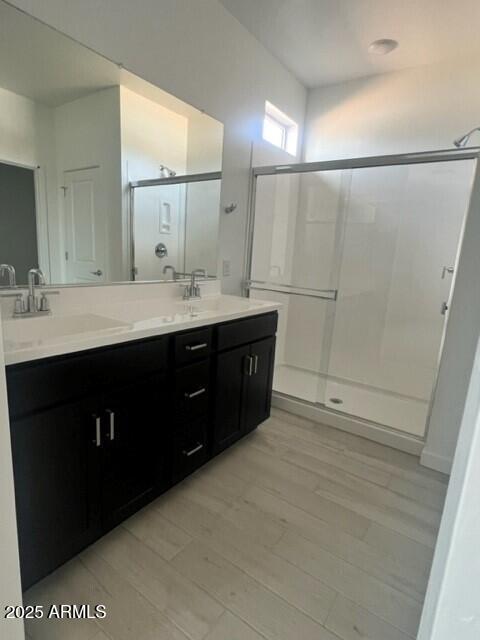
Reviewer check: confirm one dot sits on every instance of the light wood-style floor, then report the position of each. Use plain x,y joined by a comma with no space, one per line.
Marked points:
299,531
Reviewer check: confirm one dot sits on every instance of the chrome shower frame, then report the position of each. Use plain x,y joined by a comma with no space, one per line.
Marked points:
155,182
425,157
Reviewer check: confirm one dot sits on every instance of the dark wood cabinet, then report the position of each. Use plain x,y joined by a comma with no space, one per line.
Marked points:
259,388
98,434
55,467
230,383
133,424
243,380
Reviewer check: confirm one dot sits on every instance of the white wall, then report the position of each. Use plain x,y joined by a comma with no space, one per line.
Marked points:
10,590
151,136
203,55
205,144
416,109
452,605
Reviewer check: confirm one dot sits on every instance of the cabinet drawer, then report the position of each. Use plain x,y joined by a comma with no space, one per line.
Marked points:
126,363
192,386
190,448
238,332
37,385
192,345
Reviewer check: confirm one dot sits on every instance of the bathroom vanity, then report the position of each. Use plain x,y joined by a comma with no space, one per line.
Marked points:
98,433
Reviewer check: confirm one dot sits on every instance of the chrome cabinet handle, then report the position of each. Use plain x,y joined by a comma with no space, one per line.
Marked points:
249,367
194,450
112,424
196,347
98,272
255,364
446,270
98,431
194,394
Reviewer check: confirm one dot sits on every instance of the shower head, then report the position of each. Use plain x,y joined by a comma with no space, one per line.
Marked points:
462,140
166,172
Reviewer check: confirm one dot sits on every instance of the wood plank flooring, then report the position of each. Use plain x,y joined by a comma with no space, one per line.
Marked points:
299,530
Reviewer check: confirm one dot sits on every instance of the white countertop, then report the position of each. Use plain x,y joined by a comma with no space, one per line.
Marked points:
28,339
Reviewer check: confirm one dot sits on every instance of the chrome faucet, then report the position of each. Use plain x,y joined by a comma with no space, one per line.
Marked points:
192,290
32,306
169,267
8,268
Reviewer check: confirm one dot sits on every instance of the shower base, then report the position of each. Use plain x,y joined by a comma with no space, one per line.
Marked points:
391,410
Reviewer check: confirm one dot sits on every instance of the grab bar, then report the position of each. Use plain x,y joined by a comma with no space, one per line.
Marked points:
290,289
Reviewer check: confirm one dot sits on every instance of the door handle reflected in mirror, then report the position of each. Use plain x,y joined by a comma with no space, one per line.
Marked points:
98,272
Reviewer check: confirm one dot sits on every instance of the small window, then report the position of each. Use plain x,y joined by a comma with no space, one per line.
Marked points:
279,129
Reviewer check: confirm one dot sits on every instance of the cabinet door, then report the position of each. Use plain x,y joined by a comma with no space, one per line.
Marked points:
54,458
259,390
134,420
229,394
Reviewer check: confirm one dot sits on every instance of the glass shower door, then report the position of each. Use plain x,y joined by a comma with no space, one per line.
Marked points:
297,236
402,232
363,261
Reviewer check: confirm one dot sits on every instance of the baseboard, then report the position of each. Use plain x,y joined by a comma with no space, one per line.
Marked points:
436,462
363,428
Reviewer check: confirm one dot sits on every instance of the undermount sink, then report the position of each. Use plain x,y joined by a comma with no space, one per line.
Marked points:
221,304
57,328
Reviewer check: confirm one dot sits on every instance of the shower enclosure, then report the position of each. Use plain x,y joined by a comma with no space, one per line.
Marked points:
174,223
362,255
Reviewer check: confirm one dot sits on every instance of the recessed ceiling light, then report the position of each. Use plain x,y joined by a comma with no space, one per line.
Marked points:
383,46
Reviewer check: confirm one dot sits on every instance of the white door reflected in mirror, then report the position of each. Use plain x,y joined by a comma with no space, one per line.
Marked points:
84,226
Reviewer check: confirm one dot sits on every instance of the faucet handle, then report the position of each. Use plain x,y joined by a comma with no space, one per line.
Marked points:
44,301
19,307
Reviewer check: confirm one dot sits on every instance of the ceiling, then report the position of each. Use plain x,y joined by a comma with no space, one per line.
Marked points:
326,41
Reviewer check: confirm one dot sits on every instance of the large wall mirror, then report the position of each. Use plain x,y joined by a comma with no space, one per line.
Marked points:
104,177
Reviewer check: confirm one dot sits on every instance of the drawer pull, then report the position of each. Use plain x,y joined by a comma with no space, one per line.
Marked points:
194,394
196,347
112,424
196,449
98,431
